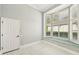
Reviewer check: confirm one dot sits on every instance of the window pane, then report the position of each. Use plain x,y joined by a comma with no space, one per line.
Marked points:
48,31
63,15
74,30
55,30
74,10
48,25
74,15
63,29
48,20
64,23
75,35
55,19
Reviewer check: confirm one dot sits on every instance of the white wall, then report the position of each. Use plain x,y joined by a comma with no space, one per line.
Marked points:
0,28
0,10
31,21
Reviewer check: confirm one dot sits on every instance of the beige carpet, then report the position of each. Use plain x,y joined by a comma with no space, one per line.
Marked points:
41,48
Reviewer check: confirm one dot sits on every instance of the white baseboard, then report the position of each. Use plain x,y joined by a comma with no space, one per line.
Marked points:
68,50
30,44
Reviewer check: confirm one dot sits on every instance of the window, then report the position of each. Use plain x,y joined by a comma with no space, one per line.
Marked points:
64,23
60,23
74,10
55,31
74,30
48,25
75,27
64,16
63,30
55,19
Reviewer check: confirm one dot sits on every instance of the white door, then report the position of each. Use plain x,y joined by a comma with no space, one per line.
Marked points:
10,34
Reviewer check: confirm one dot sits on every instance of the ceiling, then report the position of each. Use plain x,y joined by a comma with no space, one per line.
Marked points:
43,7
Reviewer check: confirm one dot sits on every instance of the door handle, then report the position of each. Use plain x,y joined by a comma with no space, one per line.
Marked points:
17,36
2,48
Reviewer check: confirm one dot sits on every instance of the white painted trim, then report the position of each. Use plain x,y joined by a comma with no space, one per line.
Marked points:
68,50
30,44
